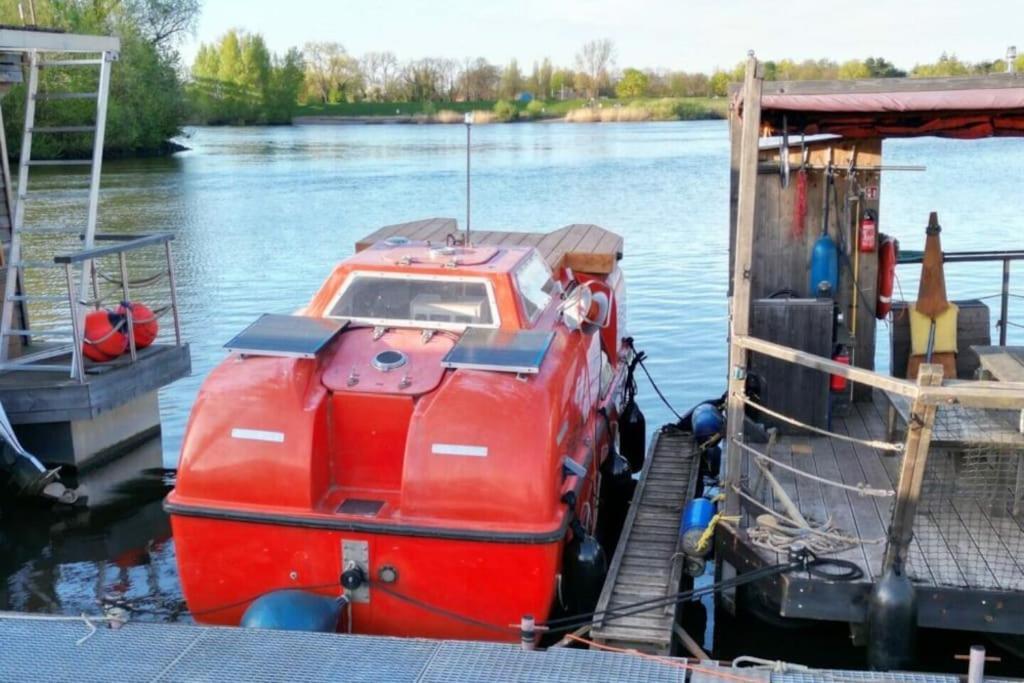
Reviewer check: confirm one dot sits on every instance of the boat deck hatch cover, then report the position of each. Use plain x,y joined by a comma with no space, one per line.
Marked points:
290,336
520,351
361,506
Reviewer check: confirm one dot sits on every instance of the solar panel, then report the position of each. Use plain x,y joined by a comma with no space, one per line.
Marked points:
290,336
500,350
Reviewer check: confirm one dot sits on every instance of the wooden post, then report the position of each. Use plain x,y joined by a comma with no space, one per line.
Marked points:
915,458
739,309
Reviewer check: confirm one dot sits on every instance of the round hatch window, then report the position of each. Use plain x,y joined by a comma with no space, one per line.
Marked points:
389,360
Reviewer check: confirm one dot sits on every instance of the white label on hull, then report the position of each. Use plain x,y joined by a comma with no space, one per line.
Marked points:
257,435
458,449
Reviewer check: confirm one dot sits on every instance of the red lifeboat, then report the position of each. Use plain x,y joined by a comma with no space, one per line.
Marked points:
426,439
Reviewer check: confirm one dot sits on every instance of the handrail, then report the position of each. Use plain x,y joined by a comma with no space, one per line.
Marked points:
981,394
914,257
131,243
978,256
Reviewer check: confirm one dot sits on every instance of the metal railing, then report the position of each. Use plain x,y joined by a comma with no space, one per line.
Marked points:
977,257
118,246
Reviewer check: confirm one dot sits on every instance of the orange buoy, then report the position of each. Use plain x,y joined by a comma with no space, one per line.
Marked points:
144,323
888,254
104,336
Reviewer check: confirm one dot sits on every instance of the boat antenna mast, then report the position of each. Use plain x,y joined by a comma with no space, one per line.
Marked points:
469,125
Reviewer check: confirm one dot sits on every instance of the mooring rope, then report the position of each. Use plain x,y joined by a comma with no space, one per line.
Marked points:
871,443
141,282
828,533
861,488
114,620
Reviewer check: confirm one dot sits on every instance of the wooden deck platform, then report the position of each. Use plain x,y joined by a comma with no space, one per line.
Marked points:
967,557
648,563
63,421
581,247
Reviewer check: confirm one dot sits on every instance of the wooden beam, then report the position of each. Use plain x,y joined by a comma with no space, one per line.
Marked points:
739,308
12,40
891,384
884,85
915,457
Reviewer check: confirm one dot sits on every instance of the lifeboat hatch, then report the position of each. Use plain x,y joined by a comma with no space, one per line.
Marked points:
360,506
389,359
520,351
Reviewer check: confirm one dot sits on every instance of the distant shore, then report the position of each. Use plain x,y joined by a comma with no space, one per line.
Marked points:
570,111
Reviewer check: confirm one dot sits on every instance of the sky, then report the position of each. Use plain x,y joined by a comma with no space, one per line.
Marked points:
692,35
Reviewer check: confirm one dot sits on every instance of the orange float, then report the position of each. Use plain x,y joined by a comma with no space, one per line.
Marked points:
144,323
104,336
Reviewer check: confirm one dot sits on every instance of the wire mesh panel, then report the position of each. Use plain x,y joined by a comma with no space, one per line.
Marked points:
970,517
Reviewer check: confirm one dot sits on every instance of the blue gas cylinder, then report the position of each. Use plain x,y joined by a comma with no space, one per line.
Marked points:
824,267
695,520
294,610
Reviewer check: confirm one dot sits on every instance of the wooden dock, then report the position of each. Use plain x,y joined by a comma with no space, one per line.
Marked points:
581,247
965,558
64,421
648,563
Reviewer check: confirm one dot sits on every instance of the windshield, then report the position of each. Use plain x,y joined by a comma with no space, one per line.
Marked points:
533,280
392,299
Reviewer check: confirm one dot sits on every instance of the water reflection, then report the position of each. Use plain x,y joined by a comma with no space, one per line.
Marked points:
114,552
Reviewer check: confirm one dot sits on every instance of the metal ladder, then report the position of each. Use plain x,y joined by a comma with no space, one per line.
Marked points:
17,265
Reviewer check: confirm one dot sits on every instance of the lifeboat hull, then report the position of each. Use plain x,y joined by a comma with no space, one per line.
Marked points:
484,587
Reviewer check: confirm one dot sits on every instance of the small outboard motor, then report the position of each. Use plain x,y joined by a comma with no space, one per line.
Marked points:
584,568
295,610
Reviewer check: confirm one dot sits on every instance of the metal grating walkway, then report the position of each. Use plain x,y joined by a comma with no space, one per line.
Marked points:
648,563
46,651
40,650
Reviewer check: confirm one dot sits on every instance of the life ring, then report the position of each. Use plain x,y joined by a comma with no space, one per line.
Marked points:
888,252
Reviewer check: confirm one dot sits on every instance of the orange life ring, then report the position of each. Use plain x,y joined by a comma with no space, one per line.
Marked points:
888,251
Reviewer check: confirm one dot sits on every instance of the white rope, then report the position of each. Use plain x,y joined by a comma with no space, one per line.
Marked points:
141,282
860,489
871,443
114,620
827,531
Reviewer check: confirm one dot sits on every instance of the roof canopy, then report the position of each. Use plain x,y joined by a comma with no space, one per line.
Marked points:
968,108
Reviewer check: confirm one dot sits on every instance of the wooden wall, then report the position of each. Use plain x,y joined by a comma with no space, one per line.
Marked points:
781,256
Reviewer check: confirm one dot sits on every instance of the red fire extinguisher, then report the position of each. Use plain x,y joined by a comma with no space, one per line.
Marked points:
837,383
868,241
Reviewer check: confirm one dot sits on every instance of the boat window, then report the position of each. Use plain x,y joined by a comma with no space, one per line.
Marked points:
535,285
398,300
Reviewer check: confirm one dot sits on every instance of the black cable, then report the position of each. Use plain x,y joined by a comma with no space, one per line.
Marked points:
809,563
440,611
640,360
239,603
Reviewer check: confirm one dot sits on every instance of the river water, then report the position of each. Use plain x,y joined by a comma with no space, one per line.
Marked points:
260,216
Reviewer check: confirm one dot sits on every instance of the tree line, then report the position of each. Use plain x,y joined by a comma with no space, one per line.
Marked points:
147,104
237,79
